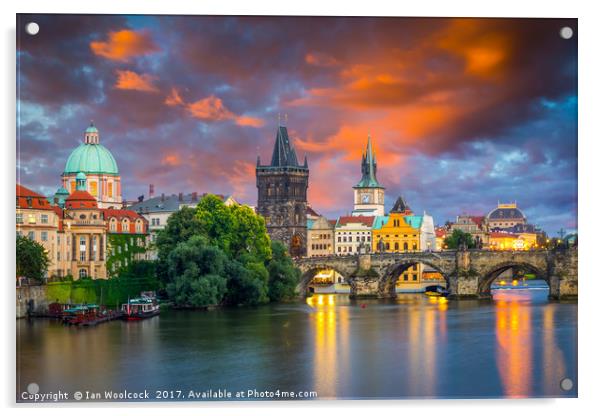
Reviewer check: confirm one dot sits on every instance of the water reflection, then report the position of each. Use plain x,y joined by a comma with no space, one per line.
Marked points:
519,345
325,347
514,350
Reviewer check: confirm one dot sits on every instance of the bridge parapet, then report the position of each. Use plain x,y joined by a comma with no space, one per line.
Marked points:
469,273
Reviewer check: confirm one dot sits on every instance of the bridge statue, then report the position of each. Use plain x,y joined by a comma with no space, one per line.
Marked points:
468,273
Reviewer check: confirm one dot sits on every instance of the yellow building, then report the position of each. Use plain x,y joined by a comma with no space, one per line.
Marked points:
38,220
510,241
401,231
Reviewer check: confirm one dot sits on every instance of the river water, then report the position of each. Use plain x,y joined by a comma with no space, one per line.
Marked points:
517,345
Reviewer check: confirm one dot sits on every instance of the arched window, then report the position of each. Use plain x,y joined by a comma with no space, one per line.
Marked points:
396,246
113,225
405,246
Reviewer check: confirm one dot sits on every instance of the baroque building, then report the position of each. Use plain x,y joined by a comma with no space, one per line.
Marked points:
368,194
282,195
98,164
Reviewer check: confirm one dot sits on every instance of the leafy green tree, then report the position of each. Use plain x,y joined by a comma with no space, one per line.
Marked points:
180,227
196,273
284,276
235,229
247,284
32,259
459,238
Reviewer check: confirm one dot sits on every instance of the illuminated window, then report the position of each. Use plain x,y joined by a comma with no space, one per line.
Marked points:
110,189
72,186
31,219
94,188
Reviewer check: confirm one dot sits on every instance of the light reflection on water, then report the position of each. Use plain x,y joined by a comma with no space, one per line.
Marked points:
518,345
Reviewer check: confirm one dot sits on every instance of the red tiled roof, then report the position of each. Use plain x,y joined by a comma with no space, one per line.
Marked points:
439,232
478,220
121,214
80,199
309,211
332,222
502,235
355,220
28,199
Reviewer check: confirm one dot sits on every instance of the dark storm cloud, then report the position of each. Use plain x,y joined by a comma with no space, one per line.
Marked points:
463,112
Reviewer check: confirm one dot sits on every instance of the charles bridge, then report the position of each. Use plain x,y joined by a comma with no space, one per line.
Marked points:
468,273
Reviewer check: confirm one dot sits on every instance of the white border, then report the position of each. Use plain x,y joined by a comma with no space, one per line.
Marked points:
590,111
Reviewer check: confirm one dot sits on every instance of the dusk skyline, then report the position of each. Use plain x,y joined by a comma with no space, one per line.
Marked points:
463,113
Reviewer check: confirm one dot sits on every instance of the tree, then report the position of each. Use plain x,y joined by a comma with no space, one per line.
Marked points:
235,229
32,259
196,273
284,276
459,238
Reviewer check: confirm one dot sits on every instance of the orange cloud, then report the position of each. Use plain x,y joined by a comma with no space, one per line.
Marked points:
320,59
129,80
210,108
174,98
249,121
171,160
123,45
484,51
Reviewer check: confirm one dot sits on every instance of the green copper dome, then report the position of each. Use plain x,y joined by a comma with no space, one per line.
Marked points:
91,158
92,129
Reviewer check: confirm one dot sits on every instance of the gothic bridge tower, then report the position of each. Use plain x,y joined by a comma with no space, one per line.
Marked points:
282,195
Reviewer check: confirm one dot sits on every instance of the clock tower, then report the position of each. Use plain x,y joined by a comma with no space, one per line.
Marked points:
368,194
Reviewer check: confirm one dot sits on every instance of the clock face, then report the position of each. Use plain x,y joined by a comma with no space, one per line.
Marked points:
365,198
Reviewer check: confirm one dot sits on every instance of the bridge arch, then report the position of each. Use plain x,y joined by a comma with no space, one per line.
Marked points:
387,283
487,278
309,271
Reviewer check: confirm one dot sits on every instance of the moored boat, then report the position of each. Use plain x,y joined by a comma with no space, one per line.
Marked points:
436,291
140,308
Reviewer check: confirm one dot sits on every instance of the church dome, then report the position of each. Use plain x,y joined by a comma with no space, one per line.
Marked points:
91,157
506,213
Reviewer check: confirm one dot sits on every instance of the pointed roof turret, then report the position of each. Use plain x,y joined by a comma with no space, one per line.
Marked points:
401,207
369,168
284,153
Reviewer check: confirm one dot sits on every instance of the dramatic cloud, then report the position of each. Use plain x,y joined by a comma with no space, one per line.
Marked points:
129,80
462,112
123,45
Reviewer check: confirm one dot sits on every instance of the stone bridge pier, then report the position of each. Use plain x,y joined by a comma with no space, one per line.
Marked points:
469,274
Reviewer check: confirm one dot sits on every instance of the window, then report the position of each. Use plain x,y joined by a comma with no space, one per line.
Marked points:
19,218
58,256
31,235
44,218
94,188
72,187
405,246
110,189
31,219
83,273
44,236
82,249
396,246
113,226
414,277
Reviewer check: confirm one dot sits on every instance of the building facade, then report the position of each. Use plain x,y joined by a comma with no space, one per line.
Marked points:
98,164
353,235
37,219
368,194
320,237
282,195
505,216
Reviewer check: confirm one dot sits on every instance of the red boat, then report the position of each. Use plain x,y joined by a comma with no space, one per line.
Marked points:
139,308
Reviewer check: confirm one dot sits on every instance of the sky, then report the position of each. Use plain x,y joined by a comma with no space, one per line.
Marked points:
463,113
